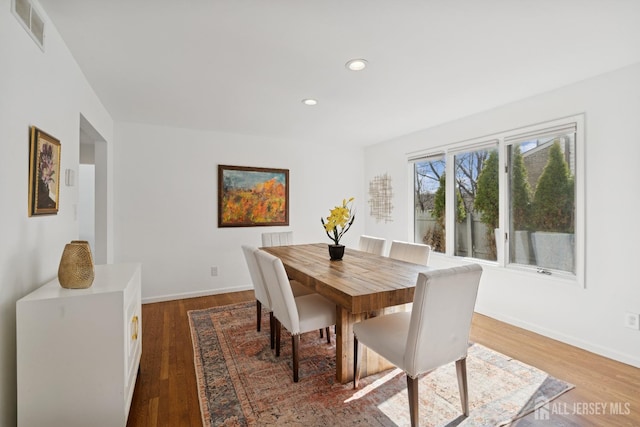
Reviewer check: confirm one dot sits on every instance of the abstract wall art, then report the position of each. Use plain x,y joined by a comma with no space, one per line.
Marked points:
380,195
252,196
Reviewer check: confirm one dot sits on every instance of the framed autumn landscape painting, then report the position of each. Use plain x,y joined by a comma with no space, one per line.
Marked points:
250,197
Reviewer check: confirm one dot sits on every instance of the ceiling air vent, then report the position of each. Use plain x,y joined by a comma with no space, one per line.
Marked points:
30,20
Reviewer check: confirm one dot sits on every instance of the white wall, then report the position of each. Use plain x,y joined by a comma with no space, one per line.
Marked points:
45,89
166,203
591,318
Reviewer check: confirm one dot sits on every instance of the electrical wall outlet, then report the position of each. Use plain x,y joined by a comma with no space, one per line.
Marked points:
214,271
632,320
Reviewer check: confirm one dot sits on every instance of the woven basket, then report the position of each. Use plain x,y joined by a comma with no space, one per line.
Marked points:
76,266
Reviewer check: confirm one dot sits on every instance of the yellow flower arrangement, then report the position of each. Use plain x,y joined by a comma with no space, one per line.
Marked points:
339,220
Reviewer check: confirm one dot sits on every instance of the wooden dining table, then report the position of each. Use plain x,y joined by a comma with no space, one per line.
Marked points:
362,285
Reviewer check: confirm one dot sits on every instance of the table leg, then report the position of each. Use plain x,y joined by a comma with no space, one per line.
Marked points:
344,346
370,362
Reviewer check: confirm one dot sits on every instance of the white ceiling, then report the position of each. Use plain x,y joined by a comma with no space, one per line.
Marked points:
243,66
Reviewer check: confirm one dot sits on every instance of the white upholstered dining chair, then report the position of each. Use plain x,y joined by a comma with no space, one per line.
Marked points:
261,292
281,238
285,238
416,253
298,314
434,333
373,245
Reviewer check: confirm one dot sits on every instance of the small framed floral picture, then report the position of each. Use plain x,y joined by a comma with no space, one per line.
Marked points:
44,173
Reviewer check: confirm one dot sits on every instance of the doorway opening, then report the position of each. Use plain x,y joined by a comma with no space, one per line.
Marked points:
92,191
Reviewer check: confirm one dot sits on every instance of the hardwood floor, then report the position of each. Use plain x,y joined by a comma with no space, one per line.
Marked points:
598,381
606,393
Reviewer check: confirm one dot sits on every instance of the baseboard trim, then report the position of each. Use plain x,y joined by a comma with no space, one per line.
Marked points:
567,339
185,295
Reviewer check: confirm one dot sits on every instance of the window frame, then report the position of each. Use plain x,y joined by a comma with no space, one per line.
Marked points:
450,196
519,135
419,157
502,141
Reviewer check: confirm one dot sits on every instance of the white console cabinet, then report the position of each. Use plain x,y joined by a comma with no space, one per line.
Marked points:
78,350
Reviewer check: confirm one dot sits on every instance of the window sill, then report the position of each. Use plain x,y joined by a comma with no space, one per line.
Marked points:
439,260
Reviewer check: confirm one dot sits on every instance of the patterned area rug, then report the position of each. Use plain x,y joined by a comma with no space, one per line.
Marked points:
241,382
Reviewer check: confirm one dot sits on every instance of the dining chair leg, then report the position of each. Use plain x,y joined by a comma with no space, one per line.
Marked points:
461,370
259,314
278,327
321,334
414,407
328,335
295,344
356,362
272,329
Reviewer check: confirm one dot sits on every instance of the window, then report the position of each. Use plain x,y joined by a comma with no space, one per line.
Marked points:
517,198
429,201
542,199
476,202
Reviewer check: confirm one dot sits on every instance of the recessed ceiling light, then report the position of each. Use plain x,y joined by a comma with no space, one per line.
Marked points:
356,64
309,101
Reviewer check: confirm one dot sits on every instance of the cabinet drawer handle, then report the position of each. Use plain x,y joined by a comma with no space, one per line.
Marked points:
134,336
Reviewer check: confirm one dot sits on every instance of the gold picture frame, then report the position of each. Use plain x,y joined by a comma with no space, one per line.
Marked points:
44,173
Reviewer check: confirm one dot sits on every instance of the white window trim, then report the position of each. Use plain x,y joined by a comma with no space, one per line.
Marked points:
504,139
489,143
512,137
